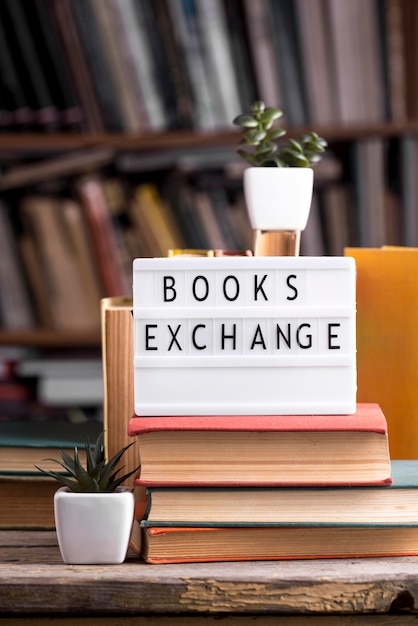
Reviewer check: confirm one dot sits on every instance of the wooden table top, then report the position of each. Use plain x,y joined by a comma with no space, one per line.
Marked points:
34,580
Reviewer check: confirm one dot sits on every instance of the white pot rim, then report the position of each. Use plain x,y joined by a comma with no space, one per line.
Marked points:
64,490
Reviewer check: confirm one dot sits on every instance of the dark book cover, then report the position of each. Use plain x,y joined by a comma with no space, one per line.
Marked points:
289,62
174,58
240,47
20,38
62,15
16,111
54,63
96,57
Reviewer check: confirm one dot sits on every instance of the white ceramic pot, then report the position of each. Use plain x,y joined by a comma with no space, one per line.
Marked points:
93,528
278,198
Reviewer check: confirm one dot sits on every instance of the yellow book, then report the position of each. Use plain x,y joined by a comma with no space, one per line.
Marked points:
387,340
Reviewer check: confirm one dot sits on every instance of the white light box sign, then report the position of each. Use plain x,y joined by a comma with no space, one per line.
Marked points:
244,336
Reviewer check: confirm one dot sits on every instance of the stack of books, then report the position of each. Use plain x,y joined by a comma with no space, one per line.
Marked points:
224,487
272,487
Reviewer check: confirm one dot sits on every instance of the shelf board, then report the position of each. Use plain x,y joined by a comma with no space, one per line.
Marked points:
50,338
183,139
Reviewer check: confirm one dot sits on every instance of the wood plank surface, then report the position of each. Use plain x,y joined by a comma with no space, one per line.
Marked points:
34,581
207,620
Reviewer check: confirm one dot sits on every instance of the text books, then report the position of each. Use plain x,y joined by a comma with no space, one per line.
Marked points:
285,523
370,505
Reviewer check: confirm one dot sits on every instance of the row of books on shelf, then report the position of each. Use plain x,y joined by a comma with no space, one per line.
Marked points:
63,250
295,487
48,402
30,443
63,253
36,384
139,65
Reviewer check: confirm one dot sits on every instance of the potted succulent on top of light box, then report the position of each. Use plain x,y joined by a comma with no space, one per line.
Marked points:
93,513
279,184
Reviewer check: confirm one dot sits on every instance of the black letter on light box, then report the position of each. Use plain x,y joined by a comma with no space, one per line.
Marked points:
258,339
309,337
233,336
174,337
332,336
292,287
259,287
169,286
206,284
235,296
148,337
195,344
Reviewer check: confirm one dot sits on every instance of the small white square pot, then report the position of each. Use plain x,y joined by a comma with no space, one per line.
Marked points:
278,198
93,528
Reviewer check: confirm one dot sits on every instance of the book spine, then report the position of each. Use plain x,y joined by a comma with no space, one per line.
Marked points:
94,50
117,358
263,55
186,27
16,311
62,14
103,237
219,63
18,31
143,63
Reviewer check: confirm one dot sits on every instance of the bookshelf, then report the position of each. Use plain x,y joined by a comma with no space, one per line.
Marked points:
52,339
179,69
187,139
115,131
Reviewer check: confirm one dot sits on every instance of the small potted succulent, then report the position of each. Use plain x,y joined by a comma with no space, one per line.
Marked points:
279,184
93,512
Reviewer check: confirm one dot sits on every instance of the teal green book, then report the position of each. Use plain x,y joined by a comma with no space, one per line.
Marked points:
395,504
26,444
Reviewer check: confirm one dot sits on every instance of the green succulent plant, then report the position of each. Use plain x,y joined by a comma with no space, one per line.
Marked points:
260,138
99,476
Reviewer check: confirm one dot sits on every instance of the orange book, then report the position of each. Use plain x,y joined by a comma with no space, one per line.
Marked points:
258,543
264,449
387,340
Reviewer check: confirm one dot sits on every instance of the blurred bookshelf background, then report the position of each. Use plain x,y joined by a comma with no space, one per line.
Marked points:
116,142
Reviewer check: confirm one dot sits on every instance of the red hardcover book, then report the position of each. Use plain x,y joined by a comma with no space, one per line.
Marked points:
263,449
103,236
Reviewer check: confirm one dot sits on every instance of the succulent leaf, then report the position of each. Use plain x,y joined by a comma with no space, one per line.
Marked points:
98,450
293,158
248,156
266,147
258,107
255,134
269,116
276,133
248,121
314,157
296,145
